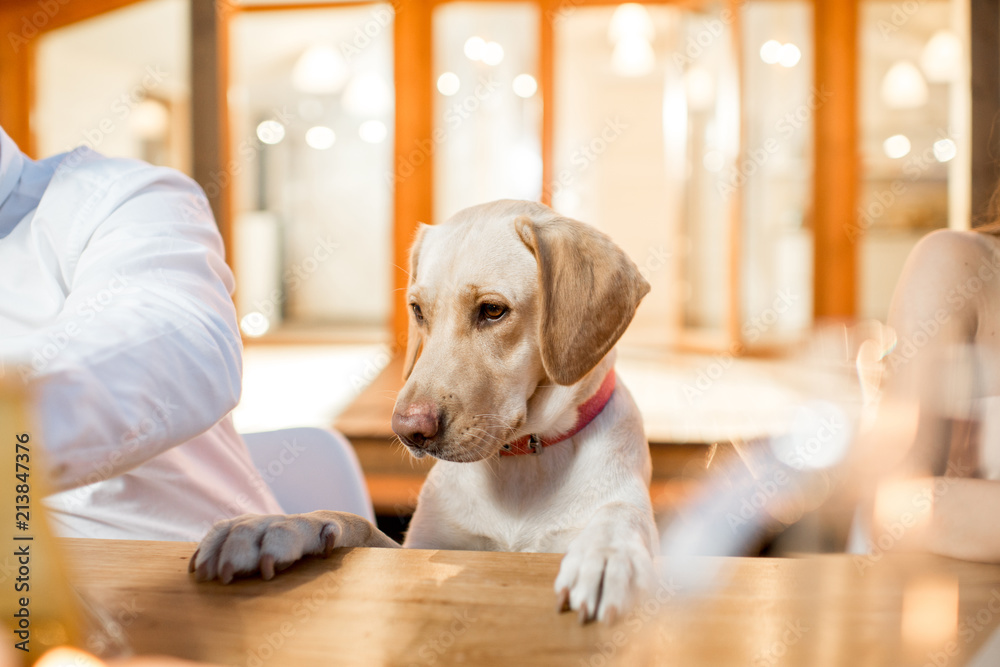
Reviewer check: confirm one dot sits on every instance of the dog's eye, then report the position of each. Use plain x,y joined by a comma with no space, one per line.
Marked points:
417,313
492,311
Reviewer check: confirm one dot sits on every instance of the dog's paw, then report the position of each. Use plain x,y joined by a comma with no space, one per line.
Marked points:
269,543
602,579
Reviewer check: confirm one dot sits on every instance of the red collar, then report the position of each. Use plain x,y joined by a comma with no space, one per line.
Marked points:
532,444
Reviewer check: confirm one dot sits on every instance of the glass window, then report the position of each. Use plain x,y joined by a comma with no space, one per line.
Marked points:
647,119
914,89
488,107
311,113
118,83
775,171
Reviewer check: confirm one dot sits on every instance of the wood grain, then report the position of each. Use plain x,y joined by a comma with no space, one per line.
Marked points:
406,607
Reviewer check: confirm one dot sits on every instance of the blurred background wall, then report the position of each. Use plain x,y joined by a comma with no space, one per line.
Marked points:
695,133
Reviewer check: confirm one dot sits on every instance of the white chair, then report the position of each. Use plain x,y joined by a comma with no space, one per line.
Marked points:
311,469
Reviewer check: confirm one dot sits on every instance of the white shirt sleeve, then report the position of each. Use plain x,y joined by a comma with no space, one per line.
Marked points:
149,353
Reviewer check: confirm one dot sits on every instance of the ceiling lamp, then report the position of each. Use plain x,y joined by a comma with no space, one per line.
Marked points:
903,86
633,57
320,137
700,88
630,20
270,132
941,57
896,146
790,55
320,70
448,84
474,48
770,51
945,150
524,85
149,120
368,95
492,53
373,131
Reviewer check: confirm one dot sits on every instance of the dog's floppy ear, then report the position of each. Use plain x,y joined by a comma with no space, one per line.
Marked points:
588,292
414,339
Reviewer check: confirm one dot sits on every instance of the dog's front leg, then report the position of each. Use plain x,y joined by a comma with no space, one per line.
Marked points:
269,543
609,563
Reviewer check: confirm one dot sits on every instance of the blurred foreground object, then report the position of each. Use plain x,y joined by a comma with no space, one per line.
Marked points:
801,486
66,656
37,602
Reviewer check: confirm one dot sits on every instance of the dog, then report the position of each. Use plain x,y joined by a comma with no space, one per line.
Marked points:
509,383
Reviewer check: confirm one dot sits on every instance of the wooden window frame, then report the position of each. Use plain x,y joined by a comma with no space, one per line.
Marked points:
22,22
835,34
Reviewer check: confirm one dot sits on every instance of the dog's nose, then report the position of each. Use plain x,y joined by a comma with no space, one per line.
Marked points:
417,424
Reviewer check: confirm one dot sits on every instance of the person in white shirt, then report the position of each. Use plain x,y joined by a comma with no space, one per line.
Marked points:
115,299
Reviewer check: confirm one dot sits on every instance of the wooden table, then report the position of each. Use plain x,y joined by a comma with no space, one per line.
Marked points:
410,607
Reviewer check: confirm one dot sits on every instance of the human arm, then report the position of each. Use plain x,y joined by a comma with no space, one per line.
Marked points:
941,301
947,516
936,306
145,352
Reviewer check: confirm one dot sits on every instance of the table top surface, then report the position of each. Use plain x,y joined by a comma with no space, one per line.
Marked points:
421,607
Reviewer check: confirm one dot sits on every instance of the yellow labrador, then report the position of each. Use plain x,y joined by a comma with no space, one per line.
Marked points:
510,385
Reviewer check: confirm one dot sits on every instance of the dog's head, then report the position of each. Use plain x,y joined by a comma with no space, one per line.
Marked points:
504,297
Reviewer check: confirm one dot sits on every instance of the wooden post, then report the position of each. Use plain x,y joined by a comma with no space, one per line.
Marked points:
413,160
985,56
835,171
546,82
22,22
209,121
17,42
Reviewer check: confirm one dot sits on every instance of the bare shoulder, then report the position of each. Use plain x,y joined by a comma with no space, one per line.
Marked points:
958,251
951,277
947,260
